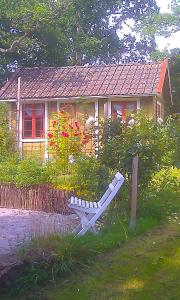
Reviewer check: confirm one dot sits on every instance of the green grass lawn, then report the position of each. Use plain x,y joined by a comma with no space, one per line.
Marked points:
147,267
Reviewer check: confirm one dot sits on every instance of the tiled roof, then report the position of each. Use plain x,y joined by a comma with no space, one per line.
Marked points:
77,81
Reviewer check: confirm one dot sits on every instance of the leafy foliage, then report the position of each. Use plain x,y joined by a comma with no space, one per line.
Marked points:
161,23
174,58
167,179
59,33
66,139
161,196
154,143
30,172
22,173
7,145
48,258
90,178
87,177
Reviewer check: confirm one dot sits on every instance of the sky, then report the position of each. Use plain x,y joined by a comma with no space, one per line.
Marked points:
174,40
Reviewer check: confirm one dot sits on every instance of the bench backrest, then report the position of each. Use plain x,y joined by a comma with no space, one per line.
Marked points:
113,188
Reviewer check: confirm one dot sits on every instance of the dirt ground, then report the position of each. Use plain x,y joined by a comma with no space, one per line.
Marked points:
19,226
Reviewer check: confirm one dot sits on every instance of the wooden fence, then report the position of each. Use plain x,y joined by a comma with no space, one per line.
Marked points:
39,197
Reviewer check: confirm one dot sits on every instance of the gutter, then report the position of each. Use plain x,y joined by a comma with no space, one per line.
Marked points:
68,99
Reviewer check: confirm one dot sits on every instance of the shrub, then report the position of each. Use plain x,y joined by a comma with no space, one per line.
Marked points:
67,138
25,172
154,143
30,172
166,179
90,178
8,169
161,198
7,145
57,177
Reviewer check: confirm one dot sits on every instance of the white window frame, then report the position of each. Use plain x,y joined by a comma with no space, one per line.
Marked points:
160,104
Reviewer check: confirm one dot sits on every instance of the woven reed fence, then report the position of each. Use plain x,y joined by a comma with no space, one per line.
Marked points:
39,197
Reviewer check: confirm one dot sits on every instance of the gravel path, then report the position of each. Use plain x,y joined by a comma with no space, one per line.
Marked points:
19,226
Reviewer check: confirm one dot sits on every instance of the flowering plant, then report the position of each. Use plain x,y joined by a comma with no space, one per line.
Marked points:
67,137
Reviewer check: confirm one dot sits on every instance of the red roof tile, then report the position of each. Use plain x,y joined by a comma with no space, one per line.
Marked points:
77,81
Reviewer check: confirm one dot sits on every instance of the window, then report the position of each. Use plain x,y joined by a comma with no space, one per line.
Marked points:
123,107
33,120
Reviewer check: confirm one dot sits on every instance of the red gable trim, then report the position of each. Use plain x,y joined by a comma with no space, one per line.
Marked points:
162,76
8,83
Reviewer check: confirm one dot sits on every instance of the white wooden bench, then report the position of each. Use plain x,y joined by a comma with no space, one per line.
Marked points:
89,212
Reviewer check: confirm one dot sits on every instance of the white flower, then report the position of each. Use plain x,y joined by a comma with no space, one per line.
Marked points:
71,159
160,121
90,121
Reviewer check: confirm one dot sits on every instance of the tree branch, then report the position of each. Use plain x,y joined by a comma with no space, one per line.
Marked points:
16,43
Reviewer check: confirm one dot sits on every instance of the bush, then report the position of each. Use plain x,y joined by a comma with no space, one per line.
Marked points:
30,172
22,173
56,176
166,179
87,177
67,138
8,169
154,143
90,178
7,143
161,198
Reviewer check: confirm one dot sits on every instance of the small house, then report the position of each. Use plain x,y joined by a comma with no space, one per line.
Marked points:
34,94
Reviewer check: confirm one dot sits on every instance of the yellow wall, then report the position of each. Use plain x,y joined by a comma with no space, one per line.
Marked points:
147,105
52,109
36,149
13,116
83,110
80,111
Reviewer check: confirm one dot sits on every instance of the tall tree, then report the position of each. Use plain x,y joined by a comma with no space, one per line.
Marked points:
165,24
68,32
162,24
175,77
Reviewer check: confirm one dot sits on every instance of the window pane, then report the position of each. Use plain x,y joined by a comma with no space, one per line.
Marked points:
131,107
27,129
33,120
52,106
28,125
39,110
27,109
39,127
117,108
27,134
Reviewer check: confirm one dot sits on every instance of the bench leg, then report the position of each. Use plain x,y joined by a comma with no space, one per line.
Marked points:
85,218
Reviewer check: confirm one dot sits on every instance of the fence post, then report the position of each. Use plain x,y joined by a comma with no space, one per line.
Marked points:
134,181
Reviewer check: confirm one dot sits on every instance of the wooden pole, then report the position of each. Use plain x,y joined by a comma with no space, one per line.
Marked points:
18,114
134,182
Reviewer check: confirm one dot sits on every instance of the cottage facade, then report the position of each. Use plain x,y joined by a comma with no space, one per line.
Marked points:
34,94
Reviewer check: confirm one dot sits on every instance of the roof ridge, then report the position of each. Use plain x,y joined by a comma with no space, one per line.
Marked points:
94,66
